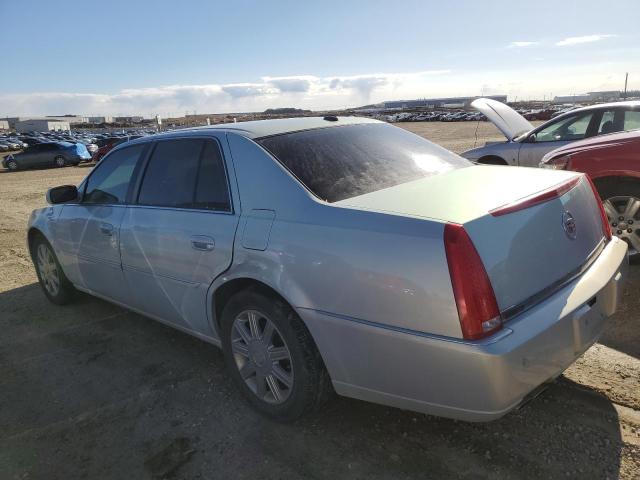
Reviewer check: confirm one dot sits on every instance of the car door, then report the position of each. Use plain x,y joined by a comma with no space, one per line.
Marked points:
30,157
561,132
88,231
48,153
178,236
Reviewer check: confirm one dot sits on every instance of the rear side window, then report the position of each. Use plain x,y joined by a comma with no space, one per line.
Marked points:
110,180
336,163
185,173
632,119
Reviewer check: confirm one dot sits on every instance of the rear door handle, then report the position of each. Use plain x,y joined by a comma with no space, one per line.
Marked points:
203,242
106,229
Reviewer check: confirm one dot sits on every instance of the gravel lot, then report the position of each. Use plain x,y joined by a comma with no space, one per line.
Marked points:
93,391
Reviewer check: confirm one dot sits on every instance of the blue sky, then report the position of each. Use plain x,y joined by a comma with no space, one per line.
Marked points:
168,57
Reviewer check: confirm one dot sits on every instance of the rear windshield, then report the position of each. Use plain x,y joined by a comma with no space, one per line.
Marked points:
336,163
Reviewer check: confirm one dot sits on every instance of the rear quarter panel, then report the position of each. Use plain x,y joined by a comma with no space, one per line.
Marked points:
380,268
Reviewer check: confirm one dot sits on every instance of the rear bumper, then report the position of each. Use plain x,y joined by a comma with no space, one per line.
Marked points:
473,381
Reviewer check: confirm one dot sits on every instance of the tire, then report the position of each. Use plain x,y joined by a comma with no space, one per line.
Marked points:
288,354
60,161
621,199
54,283
12,165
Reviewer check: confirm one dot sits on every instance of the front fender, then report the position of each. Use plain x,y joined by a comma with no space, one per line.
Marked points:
41,221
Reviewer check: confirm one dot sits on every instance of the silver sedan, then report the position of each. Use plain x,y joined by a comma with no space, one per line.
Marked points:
342,254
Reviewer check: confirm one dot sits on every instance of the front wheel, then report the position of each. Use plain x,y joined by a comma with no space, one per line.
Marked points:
271,356
53,281
59,161
12,165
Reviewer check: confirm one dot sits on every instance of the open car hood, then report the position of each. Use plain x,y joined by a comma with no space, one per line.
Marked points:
508,121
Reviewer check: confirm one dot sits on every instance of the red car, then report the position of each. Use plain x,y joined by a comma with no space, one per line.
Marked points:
107,144
613,163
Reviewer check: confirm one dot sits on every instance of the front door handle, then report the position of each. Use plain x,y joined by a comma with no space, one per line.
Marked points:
106,229
203,242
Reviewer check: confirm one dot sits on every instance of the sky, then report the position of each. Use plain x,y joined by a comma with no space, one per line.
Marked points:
171,57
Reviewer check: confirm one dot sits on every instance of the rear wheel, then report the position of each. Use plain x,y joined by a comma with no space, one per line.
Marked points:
53,281
621,200
60,161
271,356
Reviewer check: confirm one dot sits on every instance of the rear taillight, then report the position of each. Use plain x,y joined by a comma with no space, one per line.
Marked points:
477,306
537,198
606,228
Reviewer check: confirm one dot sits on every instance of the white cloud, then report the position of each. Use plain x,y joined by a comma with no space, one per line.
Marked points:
522,44
570,41
305,91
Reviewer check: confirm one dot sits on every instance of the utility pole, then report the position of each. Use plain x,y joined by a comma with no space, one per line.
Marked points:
626,77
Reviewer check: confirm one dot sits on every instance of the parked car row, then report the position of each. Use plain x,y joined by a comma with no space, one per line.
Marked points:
55,149
343,254
8,143
434,117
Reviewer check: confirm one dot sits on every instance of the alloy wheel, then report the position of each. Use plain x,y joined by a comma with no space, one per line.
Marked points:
12,165
60,161
262,357
48,270
623,213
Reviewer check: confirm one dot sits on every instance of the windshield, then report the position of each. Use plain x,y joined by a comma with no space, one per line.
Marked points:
343,162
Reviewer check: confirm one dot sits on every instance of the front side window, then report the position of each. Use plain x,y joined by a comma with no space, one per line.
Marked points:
185,173
336,163
569,129
109,183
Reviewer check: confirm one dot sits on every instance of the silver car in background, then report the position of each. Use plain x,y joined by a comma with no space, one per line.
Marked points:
342,254
526,145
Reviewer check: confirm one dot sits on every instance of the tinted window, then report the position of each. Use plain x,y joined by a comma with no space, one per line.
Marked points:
607,123
343,162
569,129
185,174
110,180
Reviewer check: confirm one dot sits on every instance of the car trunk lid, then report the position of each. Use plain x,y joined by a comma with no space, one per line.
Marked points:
526,251
506,119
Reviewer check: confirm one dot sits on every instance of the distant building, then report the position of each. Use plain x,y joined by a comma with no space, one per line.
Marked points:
71,119
133,119
4,124
106,119
438,102
606,96
40,125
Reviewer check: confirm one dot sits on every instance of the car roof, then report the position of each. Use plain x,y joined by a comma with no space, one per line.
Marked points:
627,103
266,128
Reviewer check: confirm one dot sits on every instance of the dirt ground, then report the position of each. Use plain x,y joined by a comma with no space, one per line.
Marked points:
92,391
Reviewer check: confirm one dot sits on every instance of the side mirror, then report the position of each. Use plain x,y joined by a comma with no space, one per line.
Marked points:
63,194
531,138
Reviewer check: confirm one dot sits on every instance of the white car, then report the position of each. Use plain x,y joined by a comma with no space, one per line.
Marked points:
526,145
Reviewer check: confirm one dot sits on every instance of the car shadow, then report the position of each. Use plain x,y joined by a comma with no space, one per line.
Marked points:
93,390
623,332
